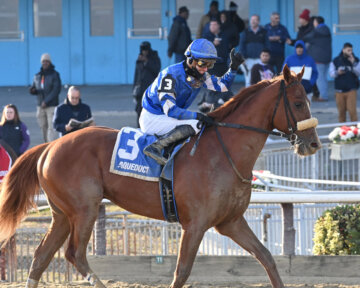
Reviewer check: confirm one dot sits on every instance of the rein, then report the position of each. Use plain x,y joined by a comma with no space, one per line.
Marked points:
292,137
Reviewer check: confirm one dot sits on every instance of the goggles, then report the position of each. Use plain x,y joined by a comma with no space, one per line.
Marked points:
205,63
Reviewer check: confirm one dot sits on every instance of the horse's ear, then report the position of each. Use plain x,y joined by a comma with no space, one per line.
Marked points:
300,75
287,74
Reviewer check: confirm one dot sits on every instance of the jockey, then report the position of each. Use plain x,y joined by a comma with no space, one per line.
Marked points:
166,100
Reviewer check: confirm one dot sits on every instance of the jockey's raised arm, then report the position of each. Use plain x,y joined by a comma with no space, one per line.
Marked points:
166,101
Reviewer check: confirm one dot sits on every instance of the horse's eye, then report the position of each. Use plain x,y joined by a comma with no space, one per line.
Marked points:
298,105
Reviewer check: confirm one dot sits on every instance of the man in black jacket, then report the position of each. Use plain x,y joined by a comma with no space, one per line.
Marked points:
72,108
345,68
147,68
319,41
47,86
179,36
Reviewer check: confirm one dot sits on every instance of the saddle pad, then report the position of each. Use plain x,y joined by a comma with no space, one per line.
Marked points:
5,163
128,158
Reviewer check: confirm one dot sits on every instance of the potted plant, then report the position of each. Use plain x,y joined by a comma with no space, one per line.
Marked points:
345,143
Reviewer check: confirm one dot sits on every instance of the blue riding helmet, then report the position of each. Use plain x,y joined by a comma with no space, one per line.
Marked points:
201,49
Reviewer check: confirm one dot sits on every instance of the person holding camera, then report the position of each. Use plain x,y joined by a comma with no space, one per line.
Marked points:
345,68
47,87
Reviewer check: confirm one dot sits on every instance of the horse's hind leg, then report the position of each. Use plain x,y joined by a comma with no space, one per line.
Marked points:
52,241
240,232
189,244
81,230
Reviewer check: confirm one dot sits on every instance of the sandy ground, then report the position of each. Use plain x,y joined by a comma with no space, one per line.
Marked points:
293,282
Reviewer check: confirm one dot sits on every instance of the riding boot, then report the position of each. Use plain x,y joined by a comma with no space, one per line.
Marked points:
178,133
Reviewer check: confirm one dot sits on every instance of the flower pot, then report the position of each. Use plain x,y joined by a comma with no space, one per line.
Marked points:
345,151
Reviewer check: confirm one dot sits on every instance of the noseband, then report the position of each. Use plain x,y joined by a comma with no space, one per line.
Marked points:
292,137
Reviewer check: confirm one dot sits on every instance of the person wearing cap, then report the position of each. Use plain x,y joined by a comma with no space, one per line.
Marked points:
47,86
180,36
296,62
235,18
319,40
166,101
205,19
147,67
306,26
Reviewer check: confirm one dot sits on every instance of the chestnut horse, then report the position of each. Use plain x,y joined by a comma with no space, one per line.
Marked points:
74,173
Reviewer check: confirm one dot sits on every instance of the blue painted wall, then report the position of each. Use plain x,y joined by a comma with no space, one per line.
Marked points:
83,59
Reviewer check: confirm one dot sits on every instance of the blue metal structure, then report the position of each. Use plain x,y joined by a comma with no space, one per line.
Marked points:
84,59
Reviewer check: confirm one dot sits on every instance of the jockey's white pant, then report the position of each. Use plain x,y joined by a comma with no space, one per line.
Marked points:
161,124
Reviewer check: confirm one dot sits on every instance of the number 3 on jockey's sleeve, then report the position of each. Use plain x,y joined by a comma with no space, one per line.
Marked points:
167,85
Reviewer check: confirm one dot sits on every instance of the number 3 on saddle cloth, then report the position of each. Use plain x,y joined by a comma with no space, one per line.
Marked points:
129,160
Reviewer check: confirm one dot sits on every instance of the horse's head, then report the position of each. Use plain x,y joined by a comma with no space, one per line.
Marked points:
292,114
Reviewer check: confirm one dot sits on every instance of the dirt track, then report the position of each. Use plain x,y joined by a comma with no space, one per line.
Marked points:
308,283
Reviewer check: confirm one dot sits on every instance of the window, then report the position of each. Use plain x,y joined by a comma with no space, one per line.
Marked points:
196,11
102,17
9,19
146,17
300,5
47,18
242,10
349,11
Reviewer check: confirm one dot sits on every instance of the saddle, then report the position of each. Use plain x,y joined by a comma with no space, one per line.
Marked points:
128,160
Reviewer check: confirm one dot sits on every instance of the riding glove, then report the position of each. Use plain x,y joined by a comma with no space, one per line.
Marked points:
236,59
205,119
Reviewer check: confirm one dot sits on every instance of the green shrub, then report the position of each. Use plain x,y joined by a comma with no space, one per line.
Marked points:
337,231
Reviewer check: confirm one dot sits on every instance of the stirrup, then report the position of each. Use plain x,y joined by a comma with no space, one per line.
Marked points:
155,154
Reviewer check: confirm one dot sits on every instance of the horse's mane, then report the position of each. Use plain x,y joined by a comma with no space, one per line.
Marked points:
231,105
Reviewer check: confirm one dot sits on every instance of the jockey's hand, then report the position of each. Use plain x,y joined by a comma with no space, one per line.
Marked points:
205,119
236,59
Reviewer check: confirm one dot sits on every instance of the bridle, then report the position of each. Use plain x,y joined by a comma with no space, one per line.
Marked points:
292,137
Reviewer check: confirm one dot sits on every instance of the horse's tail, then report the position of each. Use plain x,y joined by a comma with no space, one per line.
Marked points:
18,190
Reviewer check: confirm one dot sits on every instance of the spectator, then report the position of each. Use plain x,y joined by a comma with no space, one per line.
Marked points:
13,131
300,59
47,86
319,40
179,36
345,68
72,108
252,41
235,18
148,66
263,70
221,43
305,27
278,35
229,29
203,27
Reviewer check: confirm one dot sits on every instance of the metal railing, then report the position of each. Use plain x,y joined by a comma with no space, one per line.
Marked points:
126,236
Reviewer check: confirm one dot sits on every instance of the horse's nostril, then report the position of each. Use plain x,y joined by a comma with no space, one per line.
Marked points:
314,145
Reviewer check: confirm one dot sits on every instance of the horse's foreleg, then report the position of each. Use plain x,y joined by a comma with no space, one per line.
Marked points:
189,244
240,232
52,241
80,234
